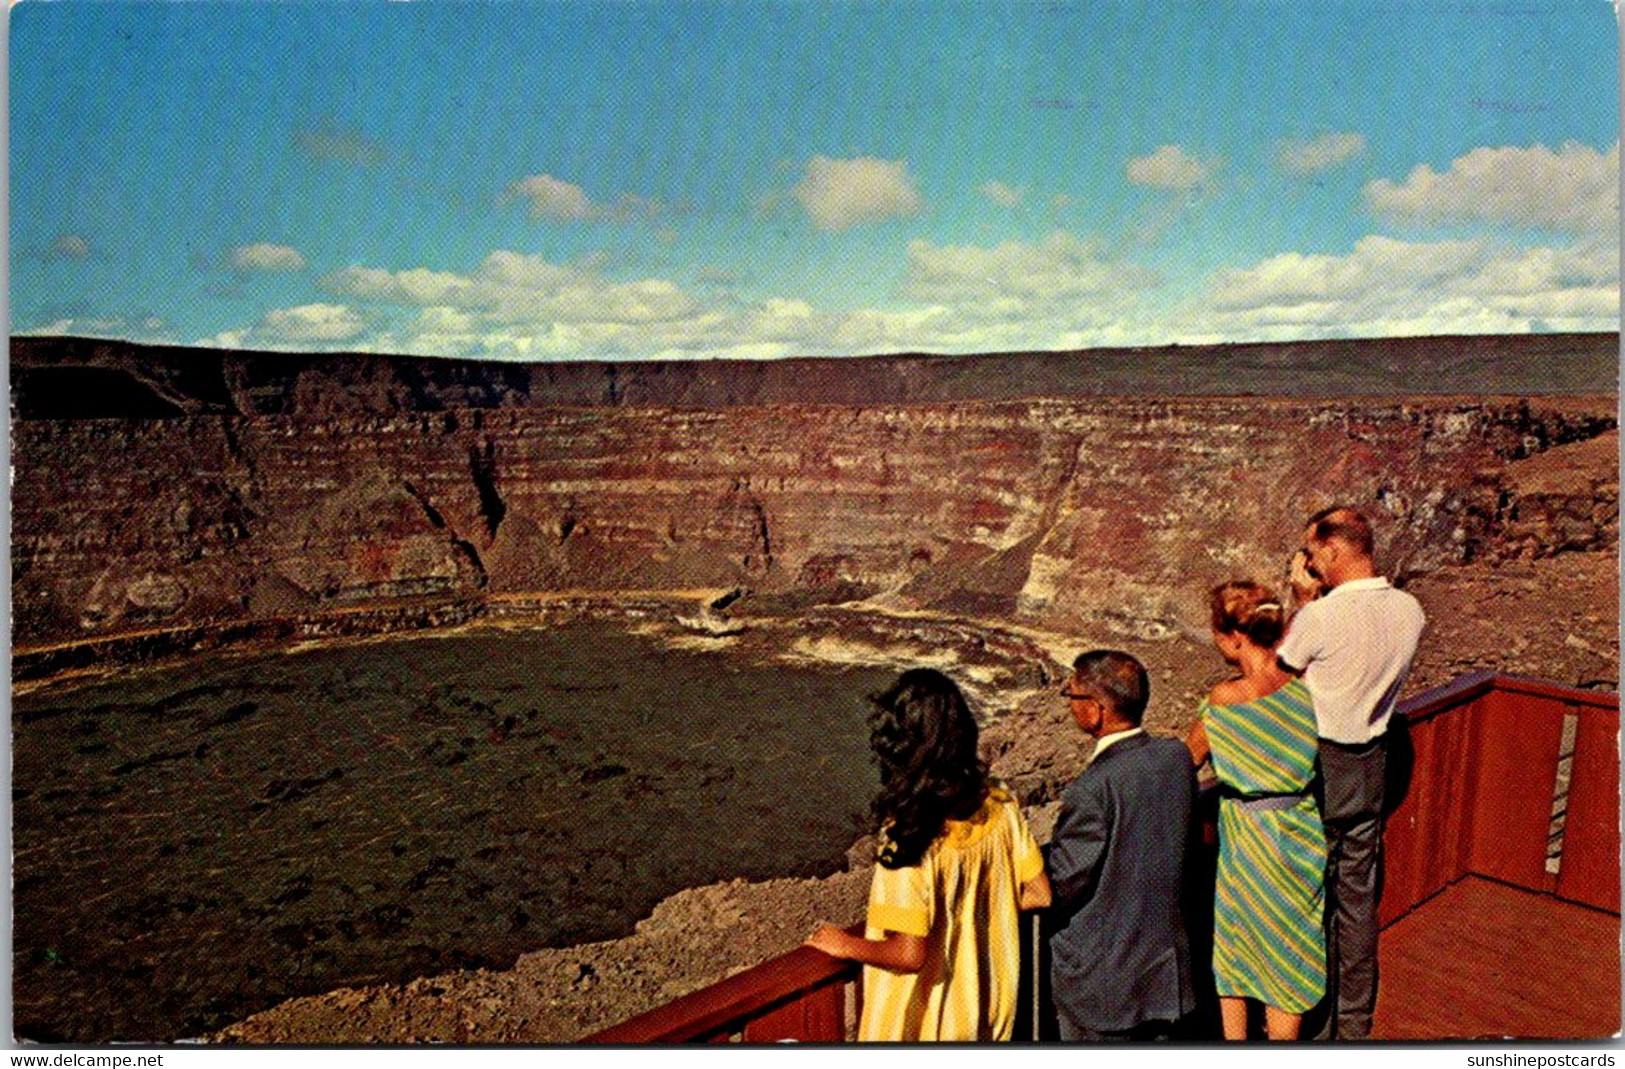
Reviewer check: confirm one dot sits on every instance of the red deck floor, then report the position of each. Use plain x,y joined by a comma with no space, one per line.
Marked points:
1485,960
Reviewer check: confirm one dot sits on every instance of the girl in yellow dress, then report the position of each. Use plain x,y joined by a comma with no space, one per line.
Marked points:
955,862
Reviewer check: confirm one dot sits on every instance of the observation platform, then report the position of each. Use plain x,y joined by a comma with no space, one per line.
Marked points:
1500,911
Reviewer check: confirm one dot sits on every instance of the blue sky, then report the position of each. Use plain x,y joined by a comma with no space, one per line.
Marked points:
696,179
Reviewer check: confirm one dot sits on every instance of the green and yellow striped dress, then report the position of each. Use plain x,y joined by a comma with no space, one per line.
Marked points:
1270,897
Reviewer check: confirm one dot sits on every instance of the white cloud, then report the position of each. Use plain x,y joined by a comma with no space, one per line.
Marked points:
712,275
329,144
139,327
70,247
1389,287
554,198
1169,167
264,256
82,326
509,287
1001,194
1063,291
1060,268
767,205
1575,188
519,306
303,328
1386,287
226,339
1375,262
310,323
504,268
1305,158
840,194
415,286
442,320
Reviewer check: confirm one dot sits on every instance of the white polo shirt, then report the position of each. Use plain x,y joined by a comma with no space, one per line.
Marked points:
1354,646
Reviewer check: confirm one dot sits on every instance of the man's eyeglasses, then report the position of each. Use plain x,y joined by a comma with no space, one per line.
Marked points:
1074,696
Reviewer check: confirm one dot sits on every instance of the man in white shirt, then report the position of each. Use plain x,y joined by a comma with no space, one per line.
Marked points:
1353,646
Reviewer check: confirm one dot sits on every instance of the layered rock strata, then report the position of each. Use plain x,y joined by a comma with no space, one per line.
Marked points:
1043,511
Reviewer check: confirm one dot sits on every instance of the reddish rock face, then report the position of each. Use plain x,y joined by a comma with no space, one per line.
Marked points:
1044,511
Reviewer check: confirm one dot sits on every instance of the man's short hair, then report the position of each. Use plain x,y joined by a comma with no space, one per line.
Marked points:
1118,678
1344,524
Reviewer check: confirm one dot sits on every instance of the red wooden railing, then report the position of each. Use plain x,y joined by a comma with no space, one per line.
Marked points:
1486,752
1476,764
799,996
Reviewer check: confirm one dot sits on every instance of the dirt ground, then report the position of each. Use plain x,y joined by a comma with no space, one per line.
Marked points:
1556,619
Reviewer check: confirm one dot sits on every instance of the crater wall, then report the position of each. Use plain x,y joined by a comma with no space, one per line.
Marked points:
1051,511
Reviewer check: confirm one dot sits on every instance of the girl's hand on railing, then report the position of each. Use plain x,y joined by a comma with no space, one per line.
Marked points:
830,939
897,951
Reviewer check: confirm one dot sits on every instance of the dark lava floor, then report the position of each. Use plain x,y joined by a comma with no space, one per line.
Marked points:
195,844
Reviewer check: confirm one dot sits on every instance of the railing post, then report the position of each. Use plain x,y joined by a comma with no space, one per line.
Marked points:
1589,870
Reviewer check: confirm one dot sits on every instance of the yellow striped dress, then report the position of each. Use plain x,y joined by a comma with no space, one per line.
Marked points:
962,898
1268,943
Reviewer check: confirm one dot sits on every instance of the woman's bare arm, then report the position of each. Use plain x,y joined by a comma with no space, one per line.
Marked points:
1196,742
1035,893
897,952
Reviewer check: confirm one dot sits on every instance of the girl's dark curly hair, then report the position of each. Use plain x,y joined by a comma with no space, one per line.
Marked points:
924,738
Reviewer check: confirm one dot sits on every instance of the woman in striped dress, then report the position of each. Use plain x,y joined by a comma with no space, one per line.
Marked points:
1259,730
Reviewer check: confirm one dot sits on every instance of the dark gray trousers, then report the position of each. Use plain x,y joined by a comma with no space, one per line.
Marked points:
1145,1032
1352,778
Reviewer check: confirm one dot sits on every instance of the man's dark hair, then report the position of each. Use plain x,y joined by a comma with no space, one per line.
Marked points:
1344,524
1119,680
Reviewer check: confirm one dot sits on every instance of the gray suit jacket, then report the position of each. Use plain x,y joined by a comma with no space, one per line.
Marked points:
1116,864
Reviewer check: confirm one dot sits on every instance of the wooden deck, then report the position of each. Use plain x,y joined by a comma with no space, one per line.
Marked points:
1484,960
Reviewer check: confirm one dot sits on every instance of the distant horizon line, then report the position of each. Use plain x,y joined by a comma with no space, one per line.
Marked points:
919,354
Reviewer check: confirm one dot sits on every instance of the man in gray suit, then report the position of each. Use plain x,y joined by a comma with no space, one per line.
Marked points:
1121,965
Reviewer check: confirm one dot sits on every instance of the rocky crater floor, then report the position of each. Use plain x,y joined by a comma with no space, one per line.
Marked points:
270,823
1554,618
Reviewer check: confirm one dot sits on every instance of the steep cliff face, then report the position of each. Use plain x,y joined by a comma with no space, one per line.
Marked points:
1054,512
